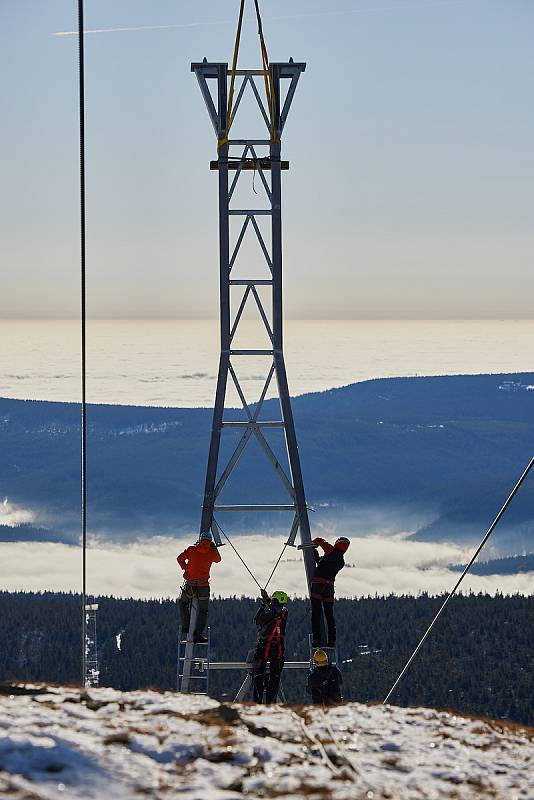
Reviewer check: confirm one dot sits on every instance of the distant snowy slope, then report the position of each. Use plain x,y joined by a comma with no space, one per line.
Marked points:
61,743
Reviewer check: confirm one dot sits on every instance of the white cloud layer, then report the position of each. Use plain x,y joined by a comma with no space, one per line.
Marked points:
149,569
14,515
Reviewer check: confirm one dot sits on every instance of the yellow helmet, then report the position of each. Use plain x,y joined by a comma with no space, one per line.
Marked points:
320,659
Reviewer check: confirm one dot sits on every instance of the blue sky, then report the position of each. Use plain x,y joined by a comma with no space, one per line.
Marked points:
411,141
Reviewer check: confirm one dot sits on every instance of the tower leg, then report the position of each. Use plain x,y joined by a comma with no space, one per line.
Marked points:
281,376
224,361
296,471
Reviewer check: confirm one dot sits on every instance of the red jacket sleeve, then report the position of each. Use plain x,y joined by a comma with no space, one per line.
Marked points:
327,548
183,557
215,555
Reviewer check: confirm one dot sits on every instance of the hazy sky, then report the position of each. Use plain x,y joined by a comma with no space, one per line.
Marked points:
411,141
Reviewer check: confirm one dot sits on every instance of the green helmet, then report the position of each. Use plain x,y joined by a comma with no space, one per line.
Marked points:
280,597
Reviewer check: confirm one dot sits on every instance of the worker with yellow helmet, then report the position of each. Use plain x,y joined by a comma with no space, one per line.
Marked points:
324,681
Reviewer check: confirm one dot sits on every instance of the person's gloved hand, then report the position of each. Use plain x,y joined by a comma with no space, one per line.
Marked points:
264,596
317,540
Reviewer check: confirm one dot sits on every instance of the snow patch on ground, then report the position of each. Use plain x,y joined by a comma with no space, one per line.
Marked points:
65,743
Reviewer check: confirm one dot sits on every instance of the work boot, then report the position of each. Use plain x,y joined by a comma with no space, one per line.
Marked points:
198,638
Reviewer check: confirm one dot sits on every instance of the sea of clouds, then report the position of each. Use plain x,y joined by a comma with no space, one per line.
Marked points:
148,568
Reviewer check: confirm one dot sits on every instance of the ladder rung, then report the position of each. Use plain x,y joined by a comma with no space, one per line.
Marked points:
193,659
195,644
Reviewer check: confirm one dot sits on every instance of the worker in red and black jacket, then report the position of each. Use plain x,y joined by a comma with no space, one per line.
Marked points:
196,563
322,588
271,619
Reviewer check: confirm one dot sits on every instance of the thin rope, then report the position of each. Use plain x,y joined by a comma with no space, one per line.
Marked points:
464,573
239,557
269,86
229,111
83,338
246,565
276,565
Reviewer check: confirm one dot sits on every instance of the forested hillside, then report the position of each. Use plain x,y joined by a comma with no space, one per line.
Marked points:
478,660
439,452
500,566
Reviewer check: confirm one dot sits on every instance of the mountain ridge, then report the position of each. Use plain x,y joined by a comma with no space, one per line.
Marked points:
438,452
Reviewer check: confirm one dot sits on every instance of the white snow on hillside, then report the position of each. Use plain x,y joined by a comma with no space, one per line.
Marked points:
64,743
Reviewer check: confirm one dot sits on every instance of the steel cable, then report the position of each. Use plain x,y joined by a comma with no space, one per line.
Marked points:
81,90
236,551
464,573
230,111
240,558
276,565
269,87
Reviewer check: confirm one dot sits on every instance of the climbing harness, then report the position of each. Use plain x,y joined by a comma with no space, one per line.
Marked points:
269,88
275,632
460,579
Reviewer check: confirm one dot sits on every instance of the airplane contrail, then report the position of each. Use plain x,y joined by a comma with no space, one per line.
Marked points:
316,14
147,27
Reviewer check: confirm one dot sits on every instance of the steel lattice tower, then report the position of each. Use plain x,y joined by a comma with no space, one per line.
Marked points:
236,156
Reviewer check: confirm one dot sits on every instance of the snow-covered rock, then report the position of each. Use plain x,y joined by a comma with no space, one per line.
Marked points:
65,743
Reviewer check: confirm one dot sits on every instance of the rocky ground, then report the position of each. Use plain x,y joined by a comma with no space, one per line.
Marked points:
58,742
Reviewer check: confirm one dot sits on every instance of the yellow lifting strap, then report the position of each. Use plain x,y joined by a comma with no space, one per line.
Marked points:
269,89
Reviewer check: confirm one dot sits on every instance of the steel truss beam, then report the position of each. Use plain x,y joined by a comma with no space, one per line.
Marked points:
262,155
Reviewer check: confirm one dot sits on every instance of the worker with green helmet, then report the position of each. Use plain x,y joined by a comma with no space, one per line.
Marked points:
271,620
324,681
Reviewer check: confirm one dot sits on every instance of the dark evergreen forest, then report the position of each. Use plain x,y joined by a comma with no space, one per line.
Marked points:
479,659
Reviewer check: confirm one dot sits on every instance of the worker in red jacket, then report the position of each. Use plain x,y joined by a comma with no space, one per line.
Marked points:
196,562
322,588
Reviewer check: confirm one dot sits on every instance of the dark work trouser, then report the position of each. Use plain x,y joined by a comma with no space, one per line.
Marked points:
189,592
276,666
322,598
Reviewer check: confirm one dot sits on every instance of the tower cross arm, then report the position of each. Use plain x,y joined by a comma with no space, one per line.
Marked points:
289,68
210,69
